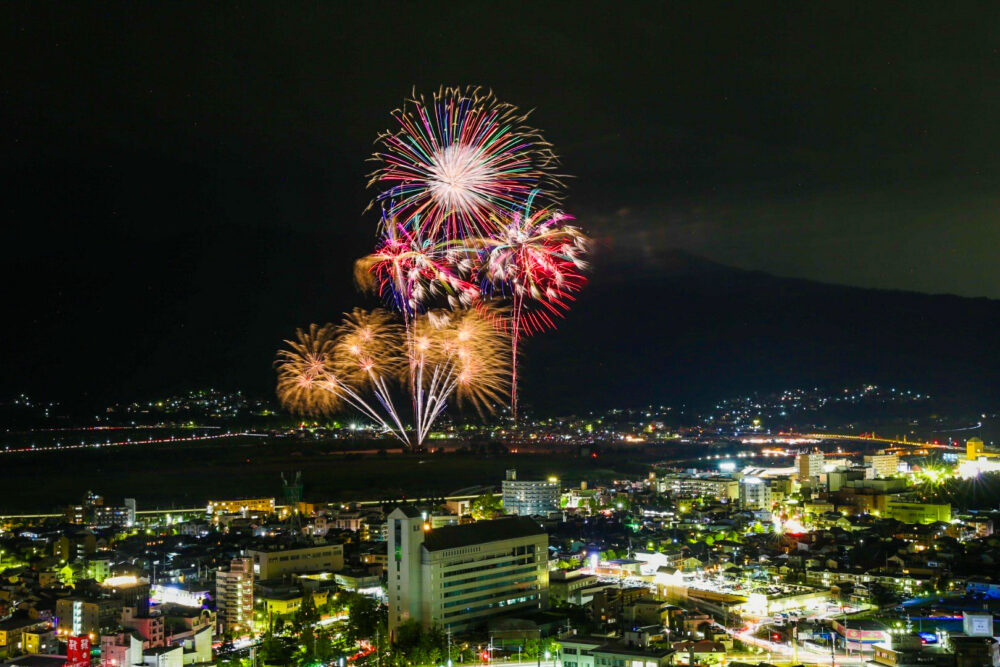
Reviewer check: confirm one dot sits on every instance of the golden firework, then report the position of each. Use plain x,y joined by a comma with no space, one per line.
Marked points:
470,349
306,380
369,348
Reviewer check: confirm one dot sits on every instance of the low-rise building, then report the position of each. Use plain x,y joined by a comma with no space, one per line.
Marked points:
563,584
277,562
244,506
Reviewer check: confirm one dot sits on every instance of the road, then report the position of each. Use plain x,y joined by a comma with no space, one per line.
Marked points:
804,654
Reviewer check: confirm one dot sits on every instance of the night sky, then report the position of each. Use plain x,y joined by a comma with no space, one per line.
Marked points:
185,184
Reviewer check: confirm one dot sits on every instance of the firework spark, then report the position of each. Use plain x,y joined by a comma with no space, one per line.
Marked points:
459,160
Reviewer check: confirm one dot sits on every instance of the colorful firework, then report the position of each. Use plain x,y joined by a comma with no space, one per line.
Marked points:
536,261
411,271
459,161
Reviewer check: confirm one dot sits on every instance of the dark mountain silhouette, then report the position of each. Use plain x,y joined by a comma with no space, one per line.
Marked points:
681,328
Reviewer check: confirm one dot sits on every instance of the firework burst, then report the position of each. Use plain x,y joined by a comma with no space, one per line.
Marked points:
459,160
304,370
537,262
472,351
411,271
360,362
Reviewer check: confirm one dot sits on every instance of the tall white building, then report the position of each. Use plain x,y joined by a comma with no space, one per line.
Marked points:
755,494
529,498
458,576
234,595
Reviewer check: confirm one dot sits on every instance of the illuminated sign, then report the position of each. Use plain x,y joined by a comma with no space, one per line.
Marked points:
78,651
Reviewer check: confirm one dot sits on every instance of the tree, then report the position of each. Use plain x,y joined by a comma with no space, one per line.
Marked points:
274,651
486,506
419,646
306,615
364,616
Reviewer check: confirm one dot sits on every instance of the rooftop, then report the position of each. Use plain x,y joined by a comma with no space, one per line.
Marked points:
451,537
37,661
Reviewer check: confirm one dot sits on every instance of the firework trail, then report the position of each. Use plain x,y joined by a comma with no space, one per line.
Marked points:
460,160
536,261
458,353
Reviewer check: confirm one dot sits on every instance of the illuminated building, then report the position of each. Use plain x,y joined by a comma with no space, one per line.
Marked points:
234,595
562,584
244,507
459,576
977,460
529,498
755,494
289,601
974,448
695,486
809,466
178,596
882,464
39,642
78,616
598,651
126,591
910,512
12,632
127,648
274,563
99,568
607,605
75,546
114,516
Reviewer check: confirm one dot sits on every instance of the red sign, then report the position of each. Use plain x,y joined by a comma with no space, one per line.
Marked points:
78,651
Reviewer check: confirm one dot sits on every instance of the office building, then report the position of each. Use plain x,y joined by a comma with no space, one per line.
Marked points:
530,498
459,576
114,516
234,595
275,563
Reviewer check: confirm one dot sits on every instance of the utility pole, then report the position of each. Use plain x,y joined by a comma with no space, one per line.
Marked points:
449,646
